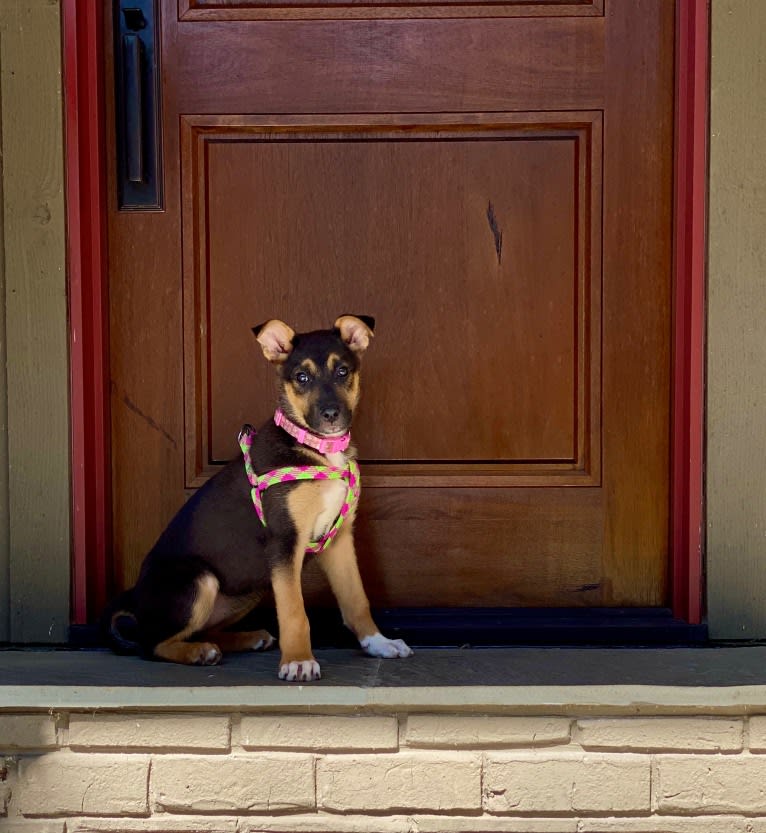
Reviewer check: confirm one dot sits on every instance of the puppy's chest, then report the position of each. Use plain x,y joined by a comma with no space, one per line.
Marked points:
332,495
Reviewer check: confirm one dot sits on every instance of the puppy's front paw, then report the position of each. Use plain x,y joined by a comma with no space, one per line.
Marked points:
378,646
304,670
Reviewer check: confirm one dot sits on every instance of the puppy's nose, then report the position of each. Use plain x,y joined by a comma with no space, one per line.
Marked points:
330,414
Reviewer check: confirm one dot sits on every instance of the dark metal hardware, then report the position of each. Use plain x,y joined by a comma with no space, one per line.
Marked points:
134,19
134,105
137,105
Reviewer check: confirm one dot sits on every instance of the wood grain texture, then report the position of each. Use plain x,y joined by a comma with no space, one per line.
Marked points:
267,208
366,9
637,272
446,253
146,345
36,323
736,350
488,547
391,66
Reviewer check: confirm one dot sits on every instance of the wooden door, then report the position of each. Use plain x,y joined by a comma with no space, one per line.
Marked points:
493,183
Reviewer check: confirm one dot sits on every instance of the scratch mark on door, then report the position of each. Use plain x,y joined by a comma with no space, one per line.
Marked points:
149,421
495,229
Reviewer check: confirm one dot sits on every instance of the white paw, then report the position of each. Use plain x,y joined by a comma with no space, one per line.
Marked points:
264,644
378,646
206,654
307,669
212,656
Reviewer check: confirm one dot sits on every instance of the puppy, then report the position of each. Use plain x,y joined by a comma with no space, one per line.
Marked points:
292,494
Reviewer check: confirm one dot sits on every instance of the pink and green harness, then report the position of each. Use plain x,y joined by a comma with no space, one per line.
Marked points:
290,474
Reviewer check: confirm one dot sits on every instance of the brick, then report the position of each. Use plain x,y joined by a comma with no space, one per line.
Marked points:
695,785
236,783
27,732
147,732
410,823
168,824
707,734
64,783
320,732
484,731
327,823
33,826
497,824
565,783
757,731
673,824
407,781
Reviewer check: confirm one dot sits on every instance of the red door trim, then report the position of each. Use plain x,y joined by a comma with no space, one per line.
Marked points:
689,256
82,41
82,27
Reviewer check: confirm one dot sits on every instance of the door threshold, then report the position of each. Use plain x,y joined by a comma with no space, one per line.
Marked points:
496,627
508,627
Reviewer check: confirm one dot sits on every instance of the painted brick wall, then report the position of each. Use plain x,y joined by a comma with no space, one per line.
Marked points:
413,773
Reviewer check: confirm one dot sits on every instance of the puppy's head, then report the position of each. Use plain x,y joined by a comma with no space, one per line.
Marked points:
318,371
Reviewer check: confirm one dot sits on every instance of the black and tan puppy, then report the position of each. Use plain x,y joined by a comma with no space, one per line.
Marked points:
249,528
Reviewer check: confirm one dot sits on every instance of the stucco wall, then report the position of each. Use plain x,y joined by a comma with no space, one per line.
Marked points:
34,433
736,392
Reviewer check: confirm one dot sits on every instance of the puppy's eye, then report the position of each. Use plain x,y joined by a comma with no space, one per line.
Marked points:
341,372
301,377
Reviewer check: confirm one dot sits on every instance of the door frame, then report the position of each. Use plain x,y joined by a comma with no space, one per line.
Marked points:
85,161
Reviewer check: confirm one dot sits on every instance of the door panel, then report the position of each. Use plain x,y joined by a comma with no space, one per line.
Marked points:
311,9
453,257
498,194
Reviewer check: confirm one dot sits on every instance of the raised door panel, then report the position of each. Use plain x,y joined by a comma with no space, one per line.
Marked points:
475,248
324,9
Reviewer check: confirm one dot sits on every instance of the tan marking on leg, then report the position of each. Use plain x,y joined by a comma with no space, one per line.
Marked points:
297,660
294,637
176,649
339,564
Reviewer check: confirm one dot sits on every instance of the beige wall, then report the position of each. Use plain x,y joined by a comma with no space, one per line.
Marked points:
736,392
34,500
382,773
34,433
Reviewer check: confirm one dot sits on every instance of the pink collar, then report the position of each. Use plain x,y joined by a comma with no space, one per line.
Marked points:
324,445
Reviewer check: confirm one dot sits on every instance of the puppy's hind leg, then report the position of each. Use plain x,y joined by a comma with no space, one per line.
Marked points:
233,641
175,648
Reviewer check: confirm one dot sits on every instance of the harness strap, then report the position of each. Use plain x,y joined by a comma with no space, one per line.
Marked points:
289,474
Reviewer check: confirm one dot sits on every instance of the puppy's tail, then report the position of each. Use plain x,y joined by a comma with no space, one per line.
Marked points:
119,626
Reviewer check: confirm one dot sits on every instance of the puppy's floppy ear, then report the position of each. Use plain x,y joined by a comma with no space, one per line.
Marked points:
356,331
276,339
